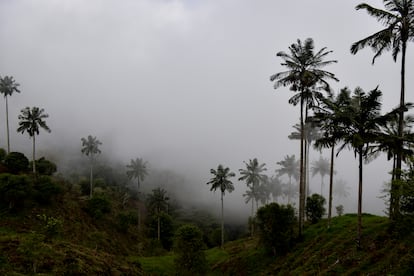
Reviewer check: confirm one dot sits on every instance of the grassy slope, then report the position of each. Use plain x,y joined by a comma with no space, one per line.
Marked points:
84,245
322,252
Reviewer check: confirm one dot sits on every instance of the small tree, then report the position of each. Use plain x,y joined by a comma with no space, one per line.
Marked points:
188,247
314,207
276,225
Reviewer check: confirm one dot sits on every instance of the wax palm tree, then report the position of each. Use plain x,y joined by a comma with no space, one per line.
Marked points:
398,21
321,167
31,121
90,147
7,87
304,75
276,187
158,203
253,176
329,117
137,169
220,180
361,128
290,167
312,133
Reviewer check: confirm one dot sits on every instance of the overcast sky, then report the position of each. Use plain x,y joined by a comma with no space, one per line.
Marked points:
183,84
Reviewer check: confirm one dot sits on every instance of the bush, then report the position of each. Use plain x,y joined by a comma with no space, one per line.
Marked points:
51,226
45,189
166,229
276,225
98,206
14,190
188,247
314,208
44,167
16,162
125,219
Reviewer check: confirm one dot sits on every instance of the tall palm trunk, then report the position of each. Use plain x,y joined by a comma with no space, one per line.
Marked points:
34,154
289,189
7,125
222,220
359,199
394,200
91,178
301,182
331,185
139,208
159,225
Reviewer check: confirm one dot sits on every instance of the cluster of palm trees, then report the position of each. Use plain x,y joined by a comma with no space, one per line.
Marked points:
31,120
351,121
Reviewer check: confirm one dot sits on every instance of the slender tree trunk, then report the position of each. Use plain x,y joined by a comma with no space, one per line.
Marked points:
159,225
359,199
91,179
252,219
322,184
139,208
7,125
307,169
301,182
331,185
395,198
289,189
34,154
222,221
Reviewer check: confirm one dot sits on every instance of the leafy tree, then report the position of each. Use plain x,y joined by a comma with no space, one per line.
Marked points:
90,147
305,76
7,87
138,169
45,167
188,248
276,225
14,189
362,128
98,206
321,167
220,180
31,120
16,162
290,167
44,189
158,203
397,19
315,207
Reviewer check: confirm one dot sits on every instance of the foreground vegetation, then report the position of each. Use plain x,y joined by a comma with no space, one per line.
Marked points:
323,251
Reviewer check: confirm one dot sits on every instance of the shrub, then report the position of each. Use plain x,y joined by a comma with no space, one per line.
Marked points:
314,207
44,167
16,162
44,189
276,225
339,210
98,206
188,248
125,219
166,229
51,226
14,189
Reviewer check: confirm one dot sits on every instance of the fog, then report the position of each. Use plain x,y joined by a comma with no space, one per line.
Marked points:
184,84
